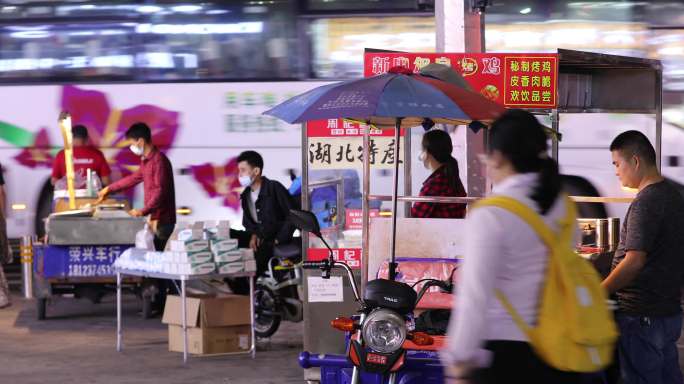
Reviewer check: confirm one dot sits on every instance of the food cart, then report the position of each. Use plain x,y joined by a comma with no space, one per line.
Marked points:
83,239
77,258
584,83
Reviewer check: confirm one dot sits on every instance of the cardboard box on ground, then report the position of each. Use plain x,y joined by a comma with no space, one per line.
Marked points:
216,324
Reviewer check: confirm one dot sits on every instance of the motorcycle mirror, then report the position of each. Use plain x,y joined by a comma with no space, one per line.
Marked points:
305,221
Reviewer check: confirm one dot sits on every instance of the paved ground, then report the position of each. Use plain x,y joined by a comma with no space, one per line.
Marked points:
77,345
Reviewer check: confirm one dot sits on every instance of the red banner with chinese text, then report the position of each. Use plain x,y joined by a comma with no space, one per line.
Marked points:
343,128
351,256
515,80
354,219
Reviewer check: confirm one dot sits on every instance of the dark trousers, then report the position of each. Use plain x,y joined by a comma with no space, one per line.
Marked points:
239,285
648,349
161,237
515,362
263,255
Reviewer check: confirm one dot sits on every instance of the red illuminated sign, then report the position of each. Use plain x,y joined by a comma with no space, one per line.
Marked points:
516,80
351,256
355,218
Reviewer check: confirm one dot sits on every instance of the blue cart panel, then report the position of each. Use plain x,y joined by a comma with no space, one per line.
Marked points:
420,367
78,261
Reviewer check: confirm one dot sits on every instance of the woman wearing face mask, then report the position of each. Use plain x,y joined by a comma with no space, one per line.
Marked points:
444,180
503,253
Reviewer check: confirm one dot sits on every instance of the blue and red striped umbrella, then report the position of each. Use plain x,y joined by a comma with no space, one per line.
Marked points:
382,99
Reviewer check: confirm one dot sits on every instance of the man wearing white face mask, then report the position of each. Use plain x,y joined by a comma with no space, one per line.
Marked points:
156,174
266,205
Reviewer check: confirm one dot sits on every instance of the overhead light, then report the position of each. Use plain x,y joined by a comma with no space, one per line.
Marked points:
27,27
110,32
186,8
18,207
87,6
255,9
148,9
30,34
217,11
525,11
82,33
201,29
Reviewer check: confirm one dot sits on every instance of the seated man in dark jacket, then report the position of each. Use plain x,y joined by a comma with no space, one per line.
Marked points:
266,205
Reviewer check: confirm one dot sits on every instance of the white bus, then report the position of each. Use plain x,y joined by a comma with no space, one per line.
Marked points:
200,126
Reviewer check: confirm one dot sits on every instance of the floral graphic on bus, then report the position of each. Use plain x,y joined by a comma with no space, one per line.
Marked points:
221,180
106,127
39,154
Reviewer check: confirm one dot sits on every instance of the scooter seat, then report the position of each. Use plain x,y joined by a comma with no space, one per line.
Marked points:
288,251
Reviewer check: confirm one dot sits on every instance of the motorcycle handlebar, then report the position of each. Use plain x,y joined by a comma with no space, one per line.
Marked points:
314,264
445,286
326,266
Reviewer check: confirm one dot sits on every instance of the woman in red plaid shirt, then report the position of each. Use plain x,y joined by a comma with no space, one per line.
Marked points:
444,180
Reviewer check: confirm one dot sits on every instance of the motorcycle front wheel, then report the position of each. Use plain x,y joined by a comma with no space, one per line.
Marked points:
266,311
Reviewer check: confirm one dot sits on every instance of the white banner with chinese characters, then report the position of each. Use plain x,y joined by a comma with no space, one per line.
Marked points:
347,152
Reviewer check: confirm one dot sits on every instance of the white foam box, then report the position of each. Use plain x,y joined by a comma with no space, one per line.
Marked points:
196,269
235,267
228,257
250,265
247,254
219,245
193,245
167,257
193,257
214,230
168,268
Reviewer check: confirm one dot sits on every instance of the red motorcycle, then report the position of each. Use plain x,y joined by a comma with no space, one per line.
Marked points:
382,334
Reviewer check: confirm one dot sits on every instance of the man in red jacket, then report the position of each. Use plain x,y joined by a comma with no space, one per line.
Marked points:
85,157
156,174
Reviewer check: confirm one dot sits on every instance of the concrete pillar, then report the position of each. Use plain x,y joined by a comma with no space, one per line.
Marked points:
460,29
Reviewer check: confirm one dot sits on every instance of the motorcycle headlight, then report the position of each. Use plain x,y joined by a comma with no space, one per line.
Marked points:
384,331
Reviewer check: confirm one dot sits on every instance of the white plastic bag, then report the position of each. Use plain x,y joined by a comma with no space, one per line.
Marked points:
144,239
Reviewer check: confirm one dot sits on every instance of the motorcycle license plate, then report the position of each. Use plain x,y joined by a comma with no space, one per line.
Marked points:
372,358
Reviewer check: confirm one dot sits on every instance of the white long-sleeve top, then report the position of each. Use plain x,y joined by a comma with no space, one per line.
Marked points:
501,252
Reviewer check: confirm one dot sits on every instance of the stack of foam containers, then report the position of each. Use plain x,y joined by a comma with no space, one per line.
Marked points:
202,248
228,257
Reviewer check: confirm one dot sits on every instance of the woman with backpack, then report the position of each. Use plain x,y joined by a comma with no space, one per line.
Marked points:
505,255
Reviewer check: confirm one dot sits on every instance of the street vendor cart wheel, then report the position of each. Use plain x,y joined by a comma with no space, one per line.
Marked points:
41,308
266,312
